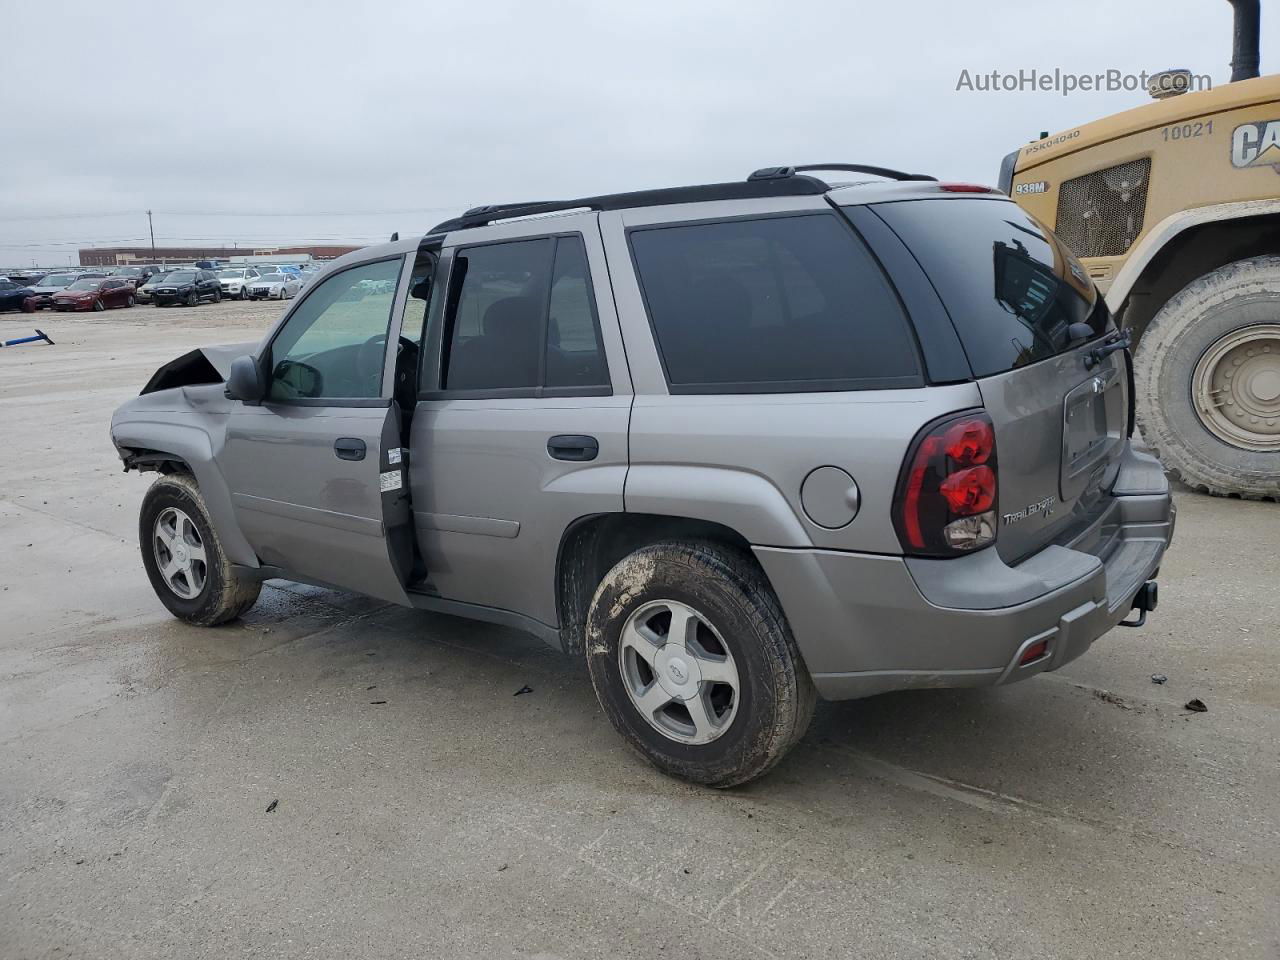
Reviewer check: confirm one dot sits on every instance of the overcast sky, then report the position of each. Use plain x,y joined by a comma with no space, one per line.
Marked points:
315,121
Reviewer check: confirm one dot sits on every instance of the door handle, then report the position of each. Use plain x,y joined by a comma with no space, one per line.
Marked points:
349,448
574,448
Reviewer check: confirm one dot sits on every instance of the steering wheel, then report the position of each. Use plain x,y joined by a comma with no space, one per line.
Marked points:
370,355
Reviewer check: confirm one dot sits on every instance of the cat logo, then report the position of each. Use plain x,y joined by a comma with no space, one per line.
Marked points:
1256,145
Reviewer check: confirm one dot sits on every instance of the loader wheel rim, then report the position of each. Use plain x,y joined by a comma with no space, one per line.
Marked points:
1236,386
678,672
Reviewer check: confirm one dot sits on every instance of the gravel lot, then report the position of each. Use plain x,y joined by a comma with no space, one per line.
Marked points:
1081,814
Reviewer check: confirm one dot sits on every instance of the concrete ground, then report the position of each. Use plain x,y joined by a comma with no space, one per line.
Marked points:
333,777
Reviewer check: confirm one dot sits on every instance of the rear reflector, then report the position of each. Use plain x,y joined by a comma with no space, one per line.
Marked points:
946,498
1034,652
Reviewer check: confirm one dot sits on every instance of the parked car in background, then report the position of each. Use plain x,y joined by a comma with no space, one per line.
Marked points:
144,292
235,281
139,275
42,292
14,296
25,279
187,287
275,286
95,293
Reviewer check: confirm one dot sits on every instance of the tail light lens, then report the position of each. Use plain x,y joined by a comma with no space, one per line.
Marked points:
946,499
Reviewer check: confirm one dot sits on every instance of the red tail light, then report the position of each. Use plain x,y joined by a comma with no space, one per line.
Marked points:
946,499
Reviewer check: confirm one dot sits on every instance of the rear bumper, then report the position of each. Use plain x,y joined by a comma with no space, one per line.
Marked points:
868,624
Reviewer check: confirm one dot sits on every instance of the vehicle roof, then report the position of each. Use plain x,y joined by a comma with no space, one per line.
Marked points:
767,182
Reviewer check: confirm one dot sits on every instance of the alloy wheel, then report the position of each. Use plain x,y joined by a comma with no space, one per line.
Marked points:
678,672
180,554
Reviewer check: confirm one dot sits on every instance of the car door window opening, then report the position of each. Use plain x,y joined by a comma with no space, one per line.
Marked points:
333,345
521,320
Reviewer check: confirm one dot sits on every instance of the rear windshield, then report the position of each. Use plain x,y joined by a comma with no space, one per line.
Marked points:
1012,289
777,304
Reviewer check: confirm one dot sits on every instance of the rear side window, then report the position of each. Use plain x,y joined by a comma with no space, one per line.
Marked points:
777,304
521,316
1011,287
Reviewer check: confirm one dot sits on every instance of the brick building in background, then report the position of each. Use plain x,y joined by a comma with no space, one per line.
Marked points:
127,256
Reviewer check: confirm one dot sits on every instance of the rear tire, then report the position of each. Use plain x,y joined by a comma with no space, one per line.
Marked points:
1183,368
221,594
755,717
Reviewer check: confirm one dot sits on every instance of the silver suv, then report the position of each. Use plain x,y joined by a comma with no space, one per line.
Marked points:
738,445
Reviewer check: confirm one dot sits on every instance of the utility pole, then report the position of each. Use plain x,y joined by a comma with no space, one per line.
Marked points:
153,236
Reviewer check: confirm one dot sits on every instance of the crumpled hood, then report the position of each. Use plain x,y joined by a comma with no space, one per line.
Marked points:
202,365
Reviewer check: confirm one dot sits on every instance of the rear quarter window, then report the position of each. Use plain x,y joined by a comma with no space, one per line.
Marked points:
777,304
1011,287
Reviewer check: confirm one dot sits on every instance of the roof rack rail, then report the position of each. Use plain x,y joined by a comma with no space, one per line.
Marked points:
790,186
782,173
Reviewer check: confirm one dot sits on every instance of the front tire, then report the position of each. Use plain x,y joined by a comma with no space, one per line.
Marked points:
98,306
1208,381
192,299
693,661
244,293
183,557
217,296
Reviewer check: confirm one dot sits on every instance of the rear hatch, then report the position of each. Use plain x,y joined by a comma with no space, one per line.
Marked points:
1060,411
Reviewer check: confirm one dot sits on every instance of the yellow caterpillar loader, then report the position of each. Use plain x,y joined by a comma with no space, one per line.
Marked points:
1174,210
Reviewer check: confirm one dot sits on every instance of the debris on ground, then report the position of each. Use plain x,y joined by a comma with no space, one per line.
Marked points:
525,689
501,868
1159,678
1106,696
1196,706
376,703
271,807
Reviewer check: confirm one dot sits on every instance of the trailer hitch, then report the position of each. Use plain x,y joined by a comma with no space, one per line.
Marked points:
1144,600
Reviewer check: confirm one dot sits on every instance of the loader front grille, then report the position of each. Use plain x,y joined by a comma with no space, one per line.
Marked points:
1100,214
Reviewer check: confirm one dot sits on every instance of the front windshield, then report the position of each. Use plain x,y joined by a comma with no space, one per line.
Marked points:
182,276
58,280
85,285
230,274
273,278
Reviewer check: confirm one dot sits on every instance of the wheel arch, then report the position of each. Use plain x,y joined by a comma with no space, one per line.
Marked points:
1185,246
167,448
591,545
